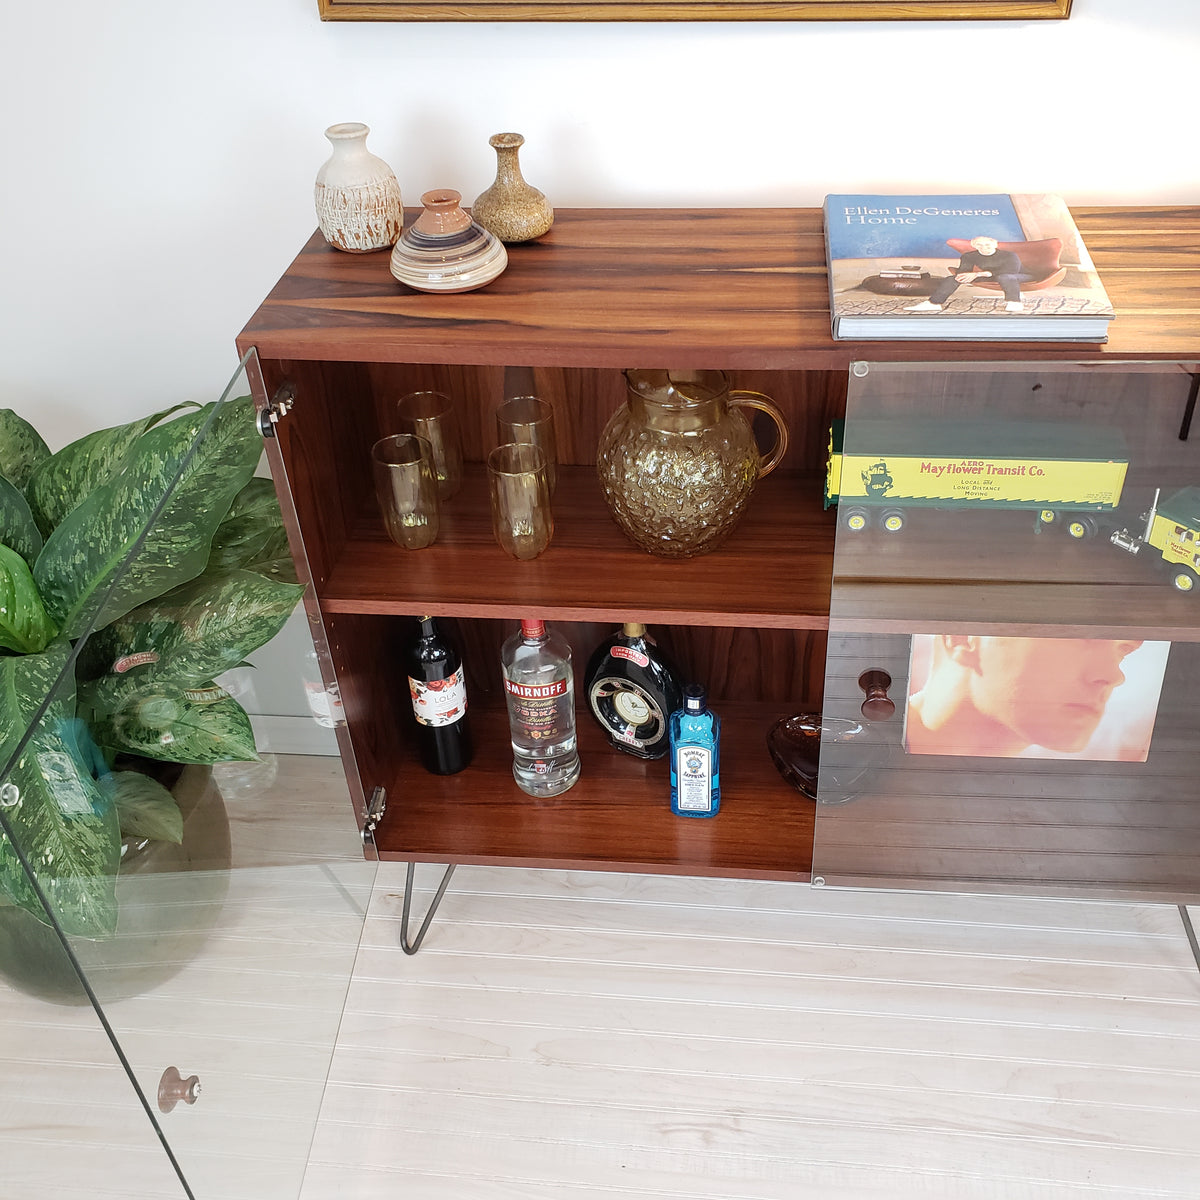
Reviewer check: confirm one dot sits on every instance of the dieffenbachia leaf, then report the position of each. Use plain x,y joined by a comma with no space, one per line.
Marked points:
145,808
21,448
193,725
24,626
252,536
192,634
18,529
64,824
82,571
63,480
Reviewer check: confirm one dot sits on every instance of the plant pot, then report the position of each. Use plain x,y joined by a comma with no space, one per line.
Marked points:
169,899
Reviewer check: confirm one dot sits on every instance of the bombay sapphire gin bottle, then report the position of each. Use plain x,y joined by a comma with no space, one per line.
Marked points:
695,756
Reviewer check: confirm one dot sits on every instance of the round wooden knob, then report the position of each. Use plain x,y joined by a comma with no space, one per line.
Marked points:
173,1089
878,706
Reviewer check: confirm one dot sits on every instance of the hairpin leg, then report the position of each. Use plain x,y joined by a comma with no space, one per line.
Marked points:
1191,934
415,945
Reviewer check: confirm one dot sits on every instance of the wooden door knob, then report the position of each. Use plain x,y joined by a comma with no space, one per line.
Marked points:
174,1089
878,706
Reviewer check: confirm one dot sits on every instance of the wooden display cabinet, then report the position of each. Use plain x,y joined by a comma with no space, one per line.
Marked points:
742,291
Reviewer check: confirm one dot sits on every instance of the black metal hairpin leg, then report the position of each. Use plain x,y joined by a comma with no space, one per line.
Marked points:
1189,408
411,947
1191,933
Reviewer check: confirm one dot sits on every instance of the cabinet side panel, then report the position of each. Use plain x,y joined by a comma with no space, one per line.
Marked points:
366,655
325,443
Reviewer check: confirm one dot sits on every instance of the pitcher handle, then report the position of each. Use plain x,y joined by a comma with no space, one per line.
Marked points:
744,399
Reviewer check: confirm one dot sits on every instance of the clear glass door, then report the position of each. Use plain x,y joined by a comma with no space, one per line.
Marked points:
1012,679
182,883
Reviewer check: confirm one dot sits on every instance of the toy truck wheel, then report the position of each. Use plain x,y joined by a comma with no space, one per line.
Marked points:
856,519
1047,516
1183,579
1081,528
892,520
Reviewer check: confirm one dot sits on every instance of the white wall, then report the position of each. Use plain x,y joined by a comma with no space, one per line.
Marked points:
159,158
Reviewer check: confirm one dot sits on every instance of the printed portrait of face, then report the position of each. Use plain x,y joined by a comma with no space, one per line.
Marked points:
1050,691
974,694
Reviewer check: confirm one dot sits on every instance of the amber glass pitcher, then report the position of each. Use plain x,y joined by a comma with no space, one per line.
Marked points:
679,460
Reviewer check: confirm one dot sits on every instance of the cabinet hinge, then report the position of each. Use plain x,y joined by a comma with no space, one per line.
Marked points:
279,405
376,807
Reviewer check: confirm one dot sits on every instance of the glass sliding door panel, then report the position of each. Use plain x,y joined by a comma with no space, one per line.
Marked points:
195,864
1016,565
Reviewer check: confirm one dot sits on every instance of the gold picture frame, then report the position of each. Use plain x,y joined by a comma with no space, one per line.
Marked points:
694,10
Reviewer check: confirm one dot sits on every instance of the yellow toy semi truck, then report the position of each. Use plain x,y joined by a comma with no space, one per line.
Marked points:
1063,474
1171,527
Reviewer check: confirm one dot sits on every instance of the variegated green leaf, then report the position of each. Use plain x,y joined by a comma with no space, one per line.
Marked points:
24,626
82,572
21,448
18,529
196,725
192,634
65,826
252,536
145,808
63,480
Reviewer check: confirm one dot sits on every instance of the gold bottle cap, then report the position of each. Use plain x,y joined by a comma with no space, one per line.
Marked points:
633,629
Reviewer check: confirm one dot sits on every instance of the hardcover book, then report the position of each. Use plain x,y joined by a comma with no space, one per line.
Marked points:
975,267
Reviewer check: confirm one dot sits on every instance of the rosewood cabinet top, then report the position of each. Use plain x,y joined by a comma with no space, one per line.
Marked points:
726,288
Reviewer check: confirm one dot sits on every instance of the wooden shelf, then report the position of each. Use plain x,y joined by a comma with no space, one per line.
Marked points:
721,288
774,571
616,817
994,573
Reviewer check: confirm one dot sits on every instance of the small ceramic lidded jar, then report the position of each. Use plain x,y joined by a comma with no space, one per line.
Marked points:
443,250
512,209
357,196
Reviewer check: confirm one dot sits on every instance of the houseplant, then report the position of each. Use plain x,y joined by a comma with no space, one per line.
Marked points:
136,565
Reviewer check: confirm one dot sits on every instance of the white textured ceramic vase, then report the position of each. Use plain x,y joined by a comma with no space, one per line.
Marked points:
357,196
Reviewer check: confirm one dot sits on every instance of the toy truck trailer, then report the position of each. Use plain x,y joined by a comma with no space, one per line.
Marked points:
1063,473
1173,529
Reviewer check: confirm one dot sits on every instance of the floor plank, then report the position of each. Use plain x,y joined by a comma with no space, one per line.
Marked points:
579,1034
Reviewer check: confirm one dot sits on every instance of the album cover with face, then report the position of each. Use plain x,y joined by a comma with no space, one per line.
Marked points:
1033,697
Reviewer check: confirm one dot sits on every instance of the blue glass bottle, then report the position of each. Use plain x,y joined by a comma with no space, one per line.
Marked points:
695,757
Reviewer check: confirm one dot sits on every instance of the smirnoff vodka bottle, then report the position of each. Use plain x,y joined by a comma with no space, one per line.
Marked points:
539,689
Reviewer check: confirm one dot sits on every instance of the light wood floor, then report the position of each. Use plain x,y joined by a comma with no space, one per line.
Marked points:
584,1035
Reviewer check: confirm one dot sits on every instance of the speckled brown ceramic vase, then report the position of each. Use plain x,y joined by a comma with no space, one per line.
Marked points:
512,209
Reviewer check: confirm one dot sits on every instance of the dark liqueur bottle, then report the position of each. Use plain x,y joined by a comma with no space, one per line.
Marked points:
439,701
632,691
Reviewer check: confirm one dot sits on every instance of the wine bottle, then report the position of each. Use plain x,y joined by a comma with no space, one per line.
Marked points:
632,691
695,756
438,689
539,689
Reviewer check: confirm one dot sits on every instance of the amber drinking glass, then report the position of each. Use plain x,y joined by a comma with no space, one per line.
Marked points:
521,515
431,415
406,488
530,419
